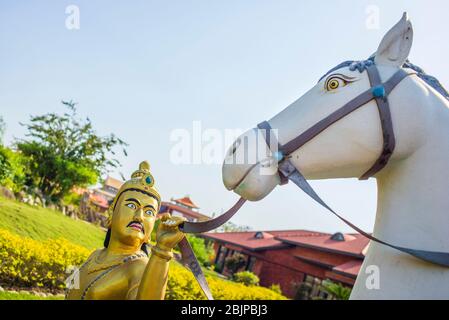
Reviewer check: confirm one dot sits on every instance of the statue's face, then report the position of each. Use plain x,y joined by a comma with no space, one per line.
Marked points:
133,218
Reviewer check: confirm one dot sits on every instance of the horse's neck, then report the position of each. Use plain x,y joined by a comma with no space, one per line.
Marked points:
412,212
413,199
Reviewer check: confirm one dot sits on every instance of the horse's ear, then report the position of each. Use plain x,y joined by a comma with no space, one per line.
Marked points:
396,44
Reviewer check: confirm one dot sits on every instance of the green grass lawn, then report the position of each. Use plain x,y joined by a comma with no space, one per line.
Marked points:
22,296
41,224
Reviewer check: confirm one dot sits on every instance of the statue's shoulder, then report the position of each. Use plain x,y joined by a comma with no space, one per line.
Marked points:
93,255
136,266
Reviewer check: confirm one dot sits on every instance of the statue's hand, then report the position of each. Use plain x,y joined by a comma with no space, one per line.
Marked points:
168,234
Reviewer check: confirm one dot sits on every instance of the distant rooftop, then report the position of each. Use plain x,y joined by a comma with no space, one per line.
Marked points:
186,202
352,244
258,240
112,182
349,268
349,244
99,200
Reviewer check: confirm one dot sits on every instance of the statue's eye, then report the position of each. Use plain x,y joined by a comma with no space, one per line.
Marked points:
150,213
131,206
334,83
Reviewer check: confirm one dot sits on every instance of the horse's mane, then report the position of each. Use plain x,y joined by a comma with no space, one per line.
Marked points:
362,65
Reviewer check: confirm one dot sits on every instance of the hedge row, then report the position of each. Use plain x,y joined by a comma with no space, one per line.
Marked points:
183,286
26,262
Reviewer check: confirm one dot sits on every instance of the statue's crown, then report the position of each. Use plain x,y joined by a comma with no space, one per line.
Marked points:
141,179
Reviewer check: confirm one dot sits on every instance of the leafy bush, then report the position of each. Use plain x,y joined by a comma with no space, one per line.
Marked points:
247,278
337,290
29,263
204,253
235,262
183,286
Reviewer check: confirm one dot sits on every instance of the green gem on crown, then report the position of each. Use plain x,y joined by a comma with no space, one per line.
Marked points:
148,180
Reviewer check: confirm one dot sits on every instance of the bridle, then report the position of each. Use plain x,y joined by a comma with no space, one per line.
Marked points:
378,92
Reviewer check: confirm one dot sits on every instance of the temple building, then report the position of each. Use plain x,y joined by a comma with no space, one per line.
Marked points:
95,202
184,207
297,260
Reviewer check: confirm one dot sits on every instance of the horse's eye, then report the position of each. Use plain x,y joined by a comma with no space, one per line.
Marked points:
131,205
334,83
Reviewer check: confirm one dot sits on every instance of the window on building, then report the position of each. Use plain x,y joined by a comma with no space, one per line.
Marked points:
258,235
250,264
220,259
338,236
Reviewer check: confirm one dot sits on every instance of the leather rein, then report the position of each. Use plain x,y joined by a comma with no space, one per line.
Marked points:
379,92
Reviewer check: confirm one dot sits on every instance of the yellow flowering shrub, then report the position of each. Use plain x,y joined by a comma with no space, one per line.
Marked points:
183,286
25,262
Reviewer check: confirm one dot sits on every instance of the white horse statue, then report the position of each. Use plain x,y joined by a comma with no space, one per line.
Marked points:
413,198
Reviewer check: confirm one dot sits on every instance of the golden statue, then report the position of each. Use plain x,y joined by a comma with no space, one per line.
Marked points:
122,269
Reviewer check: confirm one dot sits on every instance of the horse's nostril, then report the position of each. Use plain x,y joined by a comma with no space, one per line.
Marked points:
235,146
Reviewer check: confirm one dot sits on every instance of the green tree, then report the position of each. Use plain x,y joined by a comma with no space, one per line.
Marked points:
12,165
5,167
13,168
231,227
64,151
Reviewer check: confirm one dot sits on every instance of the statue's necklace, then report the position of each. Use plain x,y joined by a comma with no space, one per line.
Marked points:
97,265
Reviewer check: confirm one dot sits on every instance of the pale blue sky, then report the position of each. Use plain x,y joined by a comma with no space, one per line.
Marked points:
141,69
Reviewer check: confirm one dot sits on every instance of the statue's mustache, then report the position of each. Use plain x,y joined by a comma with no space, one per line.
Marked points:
138,223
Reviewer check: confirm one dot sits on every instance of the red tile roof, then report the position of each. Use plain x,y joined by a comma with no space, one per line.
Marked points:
350,268
186,201
354,244
168,206
248,240
296,233
245,239
99,200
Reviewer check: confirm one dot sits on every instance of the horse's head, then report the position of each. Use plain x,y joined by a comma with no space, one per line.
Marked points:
349,146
